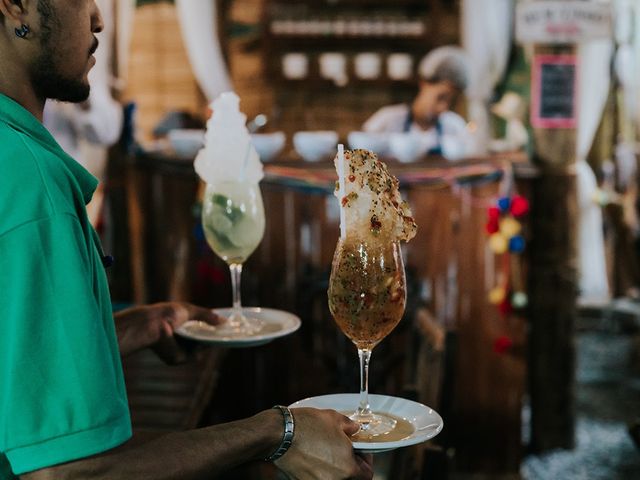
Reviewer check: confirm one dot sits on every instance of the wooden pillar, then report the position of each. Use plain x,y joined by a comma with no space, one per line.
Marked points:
553,274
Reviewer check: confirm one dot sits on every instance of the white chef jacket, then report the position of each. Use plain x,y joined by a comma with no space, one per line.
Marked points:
449,138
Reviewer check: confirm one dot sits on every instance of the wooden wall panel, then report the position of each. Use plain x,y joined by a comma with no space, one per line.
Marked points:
160,76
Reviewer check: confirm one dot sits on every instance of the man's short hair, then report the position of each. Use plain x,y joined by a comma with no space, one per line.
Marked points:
448,64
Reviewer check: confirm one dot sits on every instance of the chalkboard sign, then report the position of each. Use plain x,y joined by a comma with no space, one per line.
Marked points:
554,91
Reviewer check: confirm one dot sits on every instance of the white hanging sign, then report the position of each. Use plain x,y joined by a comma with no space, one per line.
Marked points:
558,22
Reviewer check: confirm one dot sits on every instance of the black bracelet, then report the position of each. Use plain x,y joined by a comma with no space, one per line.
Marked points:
287,436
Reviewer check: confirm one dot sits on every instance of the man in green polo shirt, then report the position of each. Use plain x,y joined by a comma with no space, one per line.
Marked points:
63,406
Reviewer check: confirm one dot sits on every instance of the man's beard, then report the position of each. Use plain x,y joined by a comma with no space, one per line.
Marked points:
51,84
46,78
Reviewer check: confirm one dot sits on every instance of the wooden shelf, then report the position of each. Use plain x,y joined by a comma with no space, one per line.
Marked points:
350,28
340,4
348,43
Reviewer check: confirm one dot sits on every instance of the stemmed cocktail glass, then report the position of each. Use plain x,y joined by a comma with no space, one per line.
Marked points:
233,222
367,297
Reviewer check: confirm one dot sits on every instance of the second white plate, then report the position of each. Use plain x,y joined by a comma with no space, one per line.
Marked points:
278,323
426,421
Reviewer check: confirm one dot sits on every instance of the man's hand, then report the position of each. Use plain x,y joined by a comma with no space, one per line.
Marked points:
322,449
153,326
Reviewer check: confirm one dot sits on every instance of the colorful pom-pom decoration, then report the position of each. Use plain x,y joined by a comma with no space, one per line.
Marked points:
519,299
502,344
496,295
509,227
498,243
504,307
494,213
516,244
504,203
492,226
519,206
504,228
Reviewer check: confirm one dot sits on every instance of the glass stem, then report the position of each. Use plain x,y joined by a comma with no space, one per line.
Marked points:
236,272
365,356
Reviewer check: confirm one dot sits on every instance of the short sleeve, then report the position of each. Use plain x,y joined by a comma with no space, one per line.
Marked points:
61,389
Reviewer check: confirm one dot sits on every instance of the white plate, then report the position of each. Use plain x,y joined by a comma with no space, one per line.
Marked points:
426,421
277,324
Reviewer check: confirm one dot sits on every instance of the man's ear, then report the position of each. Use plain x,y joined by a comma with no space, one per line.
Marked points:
15,11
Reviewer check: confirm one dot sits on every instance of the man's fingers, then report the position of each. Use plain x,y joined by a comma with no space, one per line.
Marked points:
350,427
205,315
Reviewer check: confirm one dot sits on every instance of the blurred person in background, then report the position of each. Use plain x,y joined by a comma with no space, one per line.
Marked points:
63,404
443,79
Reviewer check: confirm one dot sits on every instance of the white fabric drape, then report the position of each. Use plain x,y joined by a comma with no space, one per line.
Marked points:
636,43
487,29
627,64
627,67
594,72
125,10
199,31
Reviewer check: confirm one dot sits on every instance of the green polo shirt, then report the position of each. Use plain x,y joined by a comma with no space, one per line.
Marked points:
62,394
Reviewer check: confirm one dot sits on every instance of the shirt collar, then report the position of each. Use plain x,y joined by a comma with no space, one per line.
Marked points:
22,120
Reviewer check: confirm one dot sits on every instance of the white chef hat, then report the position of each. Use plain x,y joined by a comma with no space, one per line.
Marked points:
448,63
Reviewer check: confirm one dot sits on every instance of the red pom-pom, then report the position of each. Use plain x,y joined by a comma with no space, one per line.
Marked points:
519,206
505,307
492,226
207,271
494,213
502,344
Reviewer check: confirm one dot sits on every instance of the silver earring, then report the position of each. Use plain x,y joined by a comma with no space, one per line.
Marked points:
23,31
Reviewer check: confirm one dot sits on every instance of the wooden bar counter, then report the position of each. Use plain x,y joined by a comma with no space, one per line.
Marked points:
441,354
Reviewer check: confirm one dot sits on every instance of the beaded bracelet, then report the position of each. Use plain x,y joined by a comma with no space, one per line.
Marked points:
287,436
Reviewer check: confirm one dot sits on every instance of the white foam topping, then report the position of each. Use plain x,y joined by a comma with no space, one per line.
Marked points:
228,154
